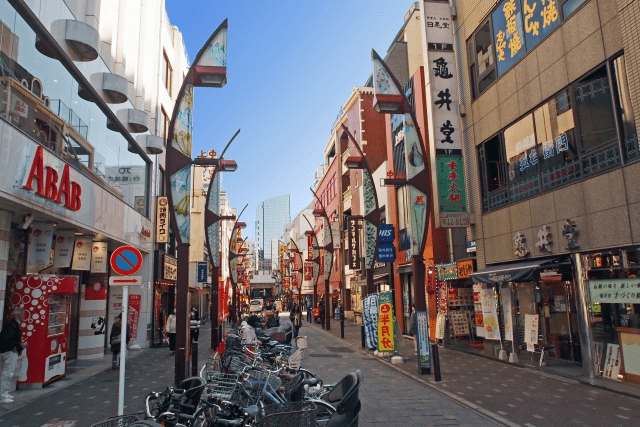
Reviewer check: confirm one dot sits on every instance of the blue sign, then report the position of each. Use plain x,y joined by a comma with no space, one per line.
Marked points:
202,272
508,34
386,233
386,253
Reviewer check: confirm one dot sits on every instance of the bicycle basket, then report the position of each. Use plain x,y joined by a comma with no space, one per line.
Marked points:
212,366
223,386
121,421
238,363
296,414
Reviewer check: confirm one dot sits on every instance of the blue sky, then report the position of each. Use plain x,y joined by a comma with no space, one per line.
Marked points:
291,65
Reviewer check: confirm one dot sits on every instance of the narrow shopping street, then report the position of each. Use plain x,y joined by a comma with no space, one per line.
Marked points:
474,391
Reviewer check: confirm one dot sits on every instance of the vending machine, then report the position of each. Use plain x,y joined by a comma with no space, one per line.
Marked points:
45,330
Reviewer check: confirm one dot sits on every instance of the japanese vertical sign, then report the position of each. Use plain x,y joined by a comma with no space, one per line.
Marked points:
99,257
540,18
443,119
162,220
424,350
531,325
370,320
354,244
488,302
82,253
385,323
505,295
508,35
40,243
64,248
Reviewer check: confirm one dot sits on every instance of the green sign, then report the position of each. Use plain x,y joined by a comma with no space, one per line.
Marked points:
447,271
451,189
615,291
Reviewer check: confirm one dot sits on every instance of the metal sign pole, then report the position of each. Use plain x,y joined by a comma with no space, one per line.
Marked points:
123,347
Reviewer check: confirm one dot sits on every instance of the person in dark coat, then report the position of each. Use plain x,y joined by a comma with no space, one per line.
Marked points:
194,324
115,337
322,313
10,349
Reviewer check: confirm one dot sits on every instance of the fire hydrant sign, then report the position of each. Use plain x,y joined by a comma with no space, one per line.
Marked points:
385,323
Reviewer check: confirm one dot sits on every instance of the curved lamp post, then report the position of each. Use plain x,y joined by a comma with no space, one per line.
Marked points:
234,254
389,98
371,211
212,220
209,69
321,212
315,259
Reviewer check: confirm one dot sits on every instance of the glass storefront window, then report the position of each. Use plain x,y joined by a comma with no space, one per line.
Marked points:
558,155
627,118
522,158
73,128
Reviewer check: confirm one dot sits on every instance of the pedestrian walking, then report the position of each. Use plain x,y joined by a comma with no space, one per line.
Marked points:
297,319
10,349
321,306
413,328
115,338
171,331
194,324
229,313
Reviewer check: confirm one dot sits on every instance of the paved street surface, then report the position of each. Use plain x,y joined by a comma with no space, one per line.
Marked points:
513,395
475,391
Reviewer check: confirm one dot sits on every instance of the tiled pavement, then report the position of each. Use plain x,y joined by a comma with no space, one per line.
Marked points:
513,395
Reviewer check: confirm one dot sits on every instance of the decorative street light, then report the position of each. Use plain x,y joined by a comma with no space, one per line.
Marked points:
212,220
389,98
234,253
321,212
371,211
209,69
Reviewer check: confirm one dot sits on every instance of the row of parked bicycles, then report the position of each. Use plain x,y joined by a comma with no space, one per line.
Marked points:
243,386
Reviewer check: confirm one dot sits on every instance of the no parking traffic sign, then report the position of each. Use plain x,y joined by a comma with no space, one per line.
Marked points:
126,260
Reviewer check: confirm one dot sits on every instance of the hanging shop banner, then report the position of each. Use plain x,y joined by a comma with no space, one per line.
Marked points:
386,233
203,273
424,349
531,322
286,283
615,291
505,296
64,248
169,268
489,315
447,271
385,322
612,362
445,142
99,259
40,238
133,314
308,270
465,268
82,253
370,320
508,35
297,261
354,244
162,220
440,324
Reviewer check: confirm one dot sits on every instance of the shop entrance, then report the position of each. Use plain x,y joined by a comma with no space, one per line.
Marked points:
74,324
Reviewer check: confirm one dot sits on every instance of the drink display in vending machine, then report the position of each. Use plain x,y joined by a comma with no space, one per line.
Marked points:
45,330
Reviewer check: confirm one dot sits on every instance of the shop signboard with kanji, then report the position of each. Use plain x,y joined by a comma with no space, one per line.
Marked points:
385,322
445,142
615,291
424,350
370,320
508,34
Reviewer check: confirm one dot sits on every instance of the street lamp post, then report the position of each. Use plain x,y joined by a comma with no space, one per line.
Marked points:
234,253
209,69
389,98
212,220
321,212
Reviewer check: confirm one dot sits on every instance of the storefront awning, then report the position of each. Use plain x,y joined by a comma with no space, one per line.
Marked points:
380,278
514,272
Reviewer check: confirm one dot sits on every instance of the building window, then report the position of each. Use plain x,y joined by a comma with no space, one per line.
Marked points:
492,171
481,60
167,72
165,126
570,6
578,132
598,138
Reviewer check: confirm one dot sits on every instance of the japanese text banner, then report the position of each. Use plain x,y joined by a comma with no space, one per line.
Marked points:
385,323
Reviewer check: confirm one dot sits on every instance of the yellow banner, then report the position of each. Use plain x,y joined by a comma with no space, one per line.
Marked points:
385,323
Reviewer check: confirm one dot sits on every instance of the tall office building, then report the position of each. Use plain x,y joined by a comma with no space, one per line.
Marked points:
272,215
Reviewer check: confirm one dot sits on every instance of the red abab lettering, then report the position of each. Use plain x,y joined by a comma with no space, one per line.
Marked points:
47,184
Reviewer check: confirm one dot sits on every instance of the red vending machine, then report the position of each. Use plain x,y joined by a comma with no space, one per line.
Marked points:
45,330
